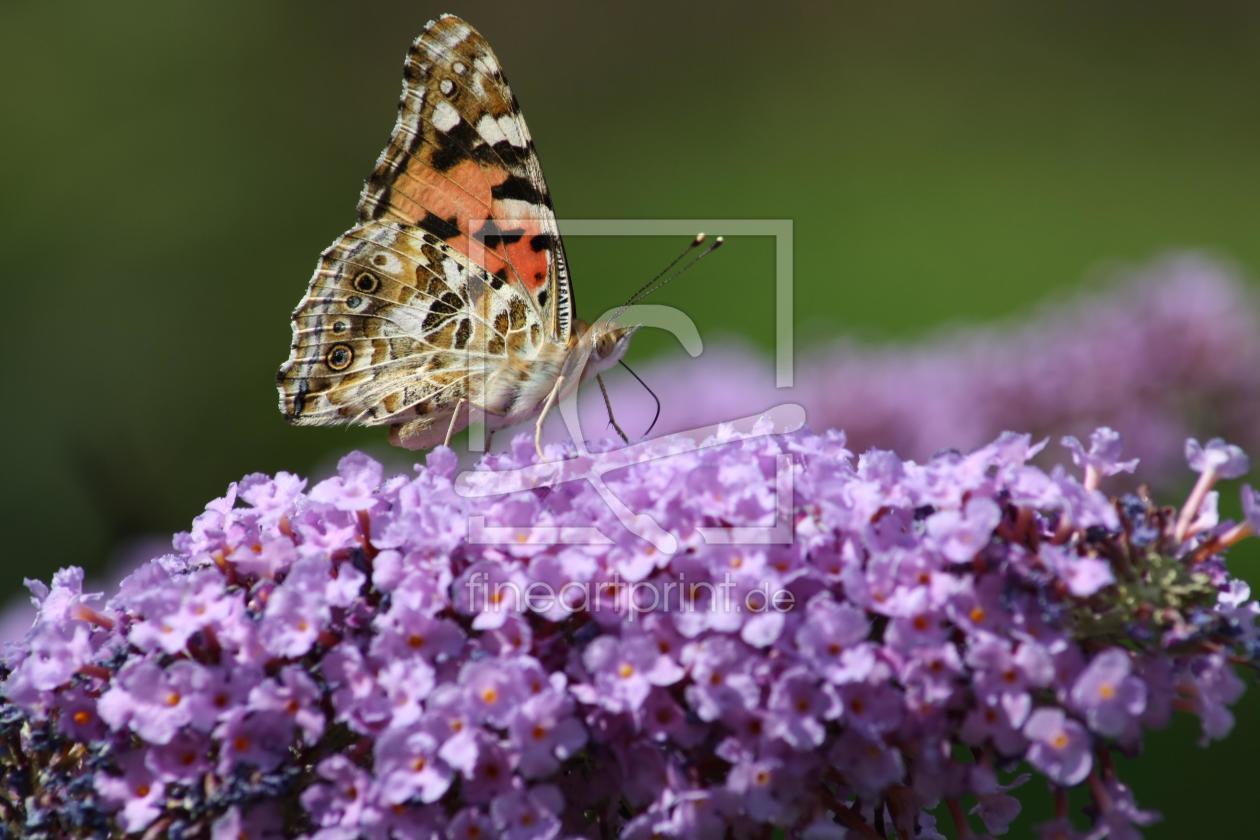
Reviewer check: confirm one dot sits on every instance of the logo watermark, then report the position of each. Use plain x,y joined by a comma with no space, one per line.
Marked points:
725,596
592,467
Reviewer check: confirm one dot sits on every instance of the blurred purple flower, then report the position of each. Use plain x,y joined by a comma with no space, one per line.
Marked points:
800,708
339,798
1103,456
343,687
546,733
138,795
960,534
1060,747
1109,696
407,765
154,702
1223,459
1155,354
1251,506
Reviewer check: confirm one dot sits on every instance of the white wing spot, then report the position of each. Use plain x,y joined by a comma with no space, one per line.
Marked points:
460,68
447,87
491,130
516,208
445,117
452,37
511,129
453,272
410,319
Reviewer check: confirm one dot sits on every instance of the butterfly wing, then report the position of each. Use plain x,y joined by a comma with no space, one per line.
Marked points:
460,164
454,279
398,328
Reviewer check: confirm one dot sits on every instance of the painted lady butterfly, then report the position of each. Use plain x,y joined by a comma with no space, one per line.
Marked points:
452,290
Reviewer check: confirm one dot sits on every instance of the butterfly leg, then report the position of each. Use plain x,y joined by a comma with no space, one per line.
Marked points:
450,430
608,405
547,406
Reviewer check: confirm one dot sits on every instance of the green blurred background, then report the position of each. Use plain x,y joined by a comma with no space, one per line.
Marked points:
171,170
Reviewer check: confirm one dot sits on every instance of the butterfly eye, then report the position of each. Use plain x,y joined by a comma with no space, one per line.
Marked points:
339,357
366,282
379,260
353,302
339,326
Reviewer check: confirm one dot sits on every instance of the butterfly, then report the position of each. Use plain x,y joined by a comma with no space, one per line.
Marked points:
452,291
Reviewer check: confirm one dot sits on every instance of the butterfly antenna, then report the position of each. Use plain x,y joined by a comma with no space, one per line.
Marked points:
656,399
664,276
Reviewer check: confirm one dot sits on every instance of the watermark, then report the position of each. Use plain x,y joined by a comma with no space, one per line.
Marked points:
727,596
592,467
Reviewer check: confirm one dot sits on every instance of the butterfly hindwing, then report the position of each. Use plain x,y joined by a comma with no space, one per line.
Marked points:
398,328
461,165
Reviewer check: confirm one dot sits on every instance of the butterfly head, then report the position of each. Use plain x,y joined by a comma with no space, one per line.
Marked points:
611,344
601,345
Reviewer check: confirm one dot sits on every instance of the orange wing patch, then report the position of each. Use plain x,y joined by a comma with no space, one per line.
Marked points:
447,204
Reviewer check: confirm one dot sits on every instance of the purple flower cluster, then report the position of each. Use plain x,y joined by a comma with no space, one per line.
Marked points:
1163,353
358,658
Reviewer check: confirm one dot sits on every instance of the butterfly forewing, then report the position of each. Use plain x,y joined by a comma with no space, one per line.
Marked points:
461,164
